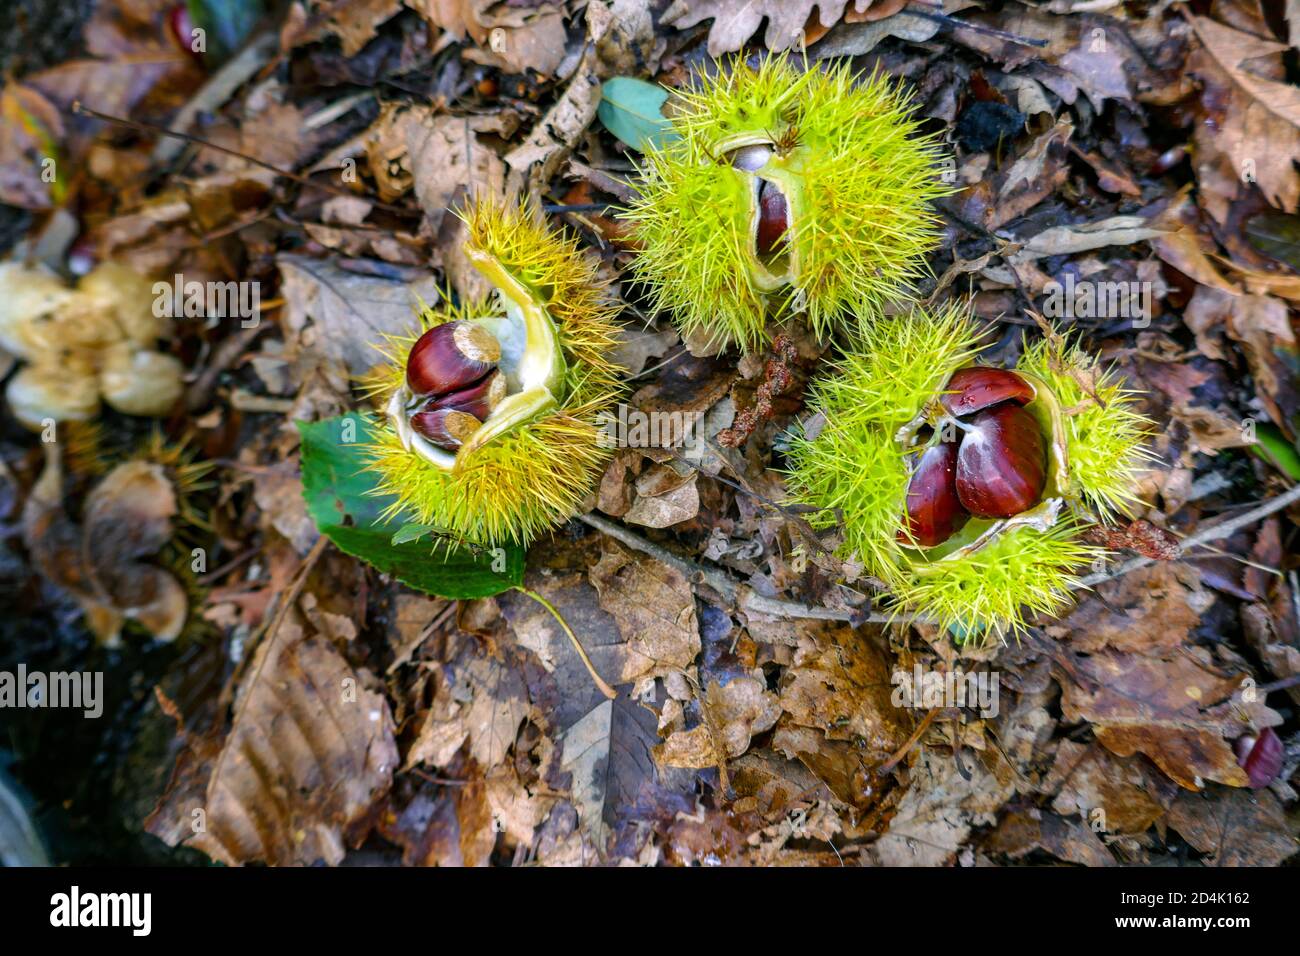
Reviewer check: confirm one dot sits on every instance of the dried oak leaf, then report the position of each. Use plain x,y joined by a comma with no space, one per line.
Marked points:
839,682
1146,610
944,801
1023,831
479,700
664,497
309,755
1169,705
443,825
735,712
524,39
1082,52
1235,827
735,21
354,23
1261,324
331,314
772,785
1254,114
838,718
938,811
1118,795
654,608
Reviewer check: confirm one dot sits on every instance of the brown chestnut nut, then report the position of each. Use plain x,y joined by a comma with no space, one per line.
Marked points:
445,427
477,399
1261,757
1001,466
449,357
976,388
773,219
934,511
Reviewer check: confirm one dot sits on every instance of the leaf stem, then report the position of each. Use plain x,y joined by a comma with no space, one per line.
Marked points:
604,688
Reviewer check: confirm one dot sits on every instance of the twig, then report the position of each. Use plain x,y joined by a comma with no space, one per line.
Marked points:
953,22
730,589
216,91
578,207
142,127
1216,532
577,646
1282,684
921,728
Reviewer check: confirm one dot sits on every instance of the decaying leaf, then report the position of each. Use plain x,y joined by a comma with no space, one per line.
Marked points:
309,754
1234,827
655,611
735,21
127,518
1175,707
1257,113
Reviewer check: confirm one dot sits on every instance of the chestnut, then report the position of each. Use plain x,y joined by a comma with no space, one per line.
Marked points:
478,399
449,357
933,510
1002,462
773,219
976,388
445,427
1261,757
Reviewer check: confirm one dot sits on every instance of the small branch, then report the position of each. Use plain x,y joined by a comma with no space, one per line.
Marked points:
911,741
956,24
1283,684
216,91
600,207
591,668
142,127
1216,532
730,589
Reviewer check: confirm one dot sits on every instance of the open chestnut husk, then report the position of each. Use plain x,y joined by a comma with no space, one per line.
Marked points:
993,466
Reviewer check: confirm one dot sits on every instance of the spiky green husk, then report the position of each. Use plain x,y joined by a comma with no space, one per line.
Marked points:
854,466
1105,434
995,588
855,472
524,483
868,178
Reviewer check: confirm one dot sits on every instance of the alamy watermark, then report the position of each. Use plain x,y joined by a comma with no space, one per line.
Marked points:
1086,299
633,428
921,688
129,910
79,690
179,299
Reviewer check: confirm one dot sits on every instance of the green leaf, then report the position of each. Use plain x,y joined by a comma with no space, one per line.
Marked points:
1276,234
412,532
632,110
339,498
1271,445
228,23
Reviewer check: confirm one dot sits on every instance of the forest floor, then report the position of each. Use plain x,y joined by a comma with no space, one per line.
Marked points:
1103,141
